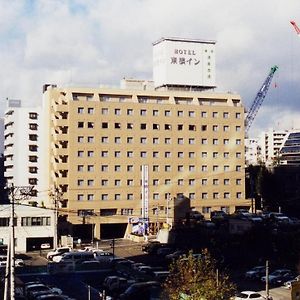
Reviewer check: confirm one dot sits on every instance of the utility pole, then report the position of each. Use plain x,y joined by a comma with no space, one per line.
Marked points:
56,195
16,193
267,279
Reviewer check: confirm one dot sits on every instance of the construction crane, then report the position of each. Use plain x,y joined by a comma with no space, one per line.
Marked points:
296,27
259,100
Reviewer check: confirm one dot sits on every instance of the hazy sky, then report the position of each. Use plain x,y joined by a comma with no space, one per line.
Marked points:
93,42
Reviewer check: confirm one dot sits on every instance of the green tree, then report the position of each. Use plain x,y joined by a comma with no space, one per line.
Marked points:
197,278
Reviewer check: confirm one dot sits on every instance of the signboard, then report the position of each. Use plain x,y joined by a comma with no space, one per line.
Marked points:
184,62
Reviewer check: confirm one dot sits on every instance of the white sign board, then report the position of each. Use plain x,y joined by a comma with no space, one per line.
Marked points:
184,62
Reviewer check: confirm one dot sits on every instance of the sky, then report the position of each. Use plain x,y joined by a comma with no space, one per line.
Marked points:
98,42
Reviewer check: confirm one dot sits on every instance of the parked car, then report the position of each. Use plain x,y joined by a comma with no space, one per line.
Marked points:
88,265
288,284
29,290
103,256
142,290
175,255
249,295
45,246
58,251
277,275
74,256
256,272
162,252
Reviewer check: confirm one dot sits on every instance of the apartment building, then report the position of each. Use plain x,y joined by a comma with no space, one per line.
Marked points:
23,150
270,143
99,140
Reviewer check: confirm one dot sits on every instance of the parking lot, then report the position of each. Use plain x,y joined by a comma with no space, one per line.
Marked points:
131,250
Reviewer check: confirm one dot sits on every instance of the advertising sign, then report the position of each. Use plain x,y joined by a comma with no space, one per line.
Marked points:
184,62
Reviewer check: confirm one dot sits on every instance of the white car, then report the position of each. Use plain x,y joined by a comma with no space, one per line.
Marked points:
249,295
45,246
58,251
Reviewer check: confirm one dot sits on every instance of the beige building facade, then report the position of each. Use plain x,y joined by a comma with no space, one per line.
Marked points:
192,143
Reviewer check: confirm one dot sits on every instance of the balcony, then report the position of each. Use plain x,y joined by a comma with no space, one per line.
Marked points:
60,151
59,122
59,107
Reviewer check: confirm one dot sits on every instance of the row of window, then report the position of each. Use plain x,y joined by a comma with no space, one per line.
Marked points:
158,168
155,154
155,140
156,112
156,196
156,182
155,126
27,221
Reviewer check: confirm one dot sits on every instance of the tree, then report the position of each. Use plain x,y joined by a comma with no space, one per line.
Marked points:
197,278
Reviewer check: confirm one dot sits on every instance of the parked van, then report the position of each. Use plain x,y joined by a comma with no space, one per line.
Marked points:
73,256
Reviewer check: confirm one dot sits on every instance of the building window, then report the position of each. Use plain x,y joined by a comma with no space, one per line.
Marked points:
80,182
155,168
90,110
33,137
238,168
117,182
238,181
180,127
155,154
129,140
167,154
33,126
180,141
238,141
155,112
32,170
104,182
104,125
129,126
206,209
117,153
33,115
90,139
204,181
155,181
226,128
117,111
90,182
80,197
167,168
117,197
104,111
215,168
79,153
104,153
90,153
237,115
104,139
33,148
215,181
129,196
192,168
191,181
117,125
191,141
215,114
191,114
32,181
226,181
226,155
225,115
226,141
117,140
90,197
80,125
180,113
203,154
226,168
155,140
180,154
33,158
143,154
168,127
215,127
180,182
192,127
192,196
204,168
130,168
143,126
129,153
215,195
104,168
143,140
215,154
143,112
80,168
129,112
90,168
80,110
167,181
129,182
104,197
226,195
117,168
155,196
203,114
191,154
167,140
180,168
215,141
239,195
127,211
167,113
238,155
204,195
204,141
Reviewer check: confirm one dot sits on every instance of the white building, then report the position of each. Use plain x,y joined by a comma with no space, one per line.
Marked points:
23,149
252,152
33,226
270,143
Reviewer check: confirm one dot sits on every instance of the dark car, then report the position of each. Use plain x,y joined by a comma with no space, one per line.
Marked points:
142,290
256,273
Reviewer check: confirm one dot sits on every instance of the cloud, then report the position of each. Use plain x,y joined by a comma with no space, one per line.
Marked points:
92,42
